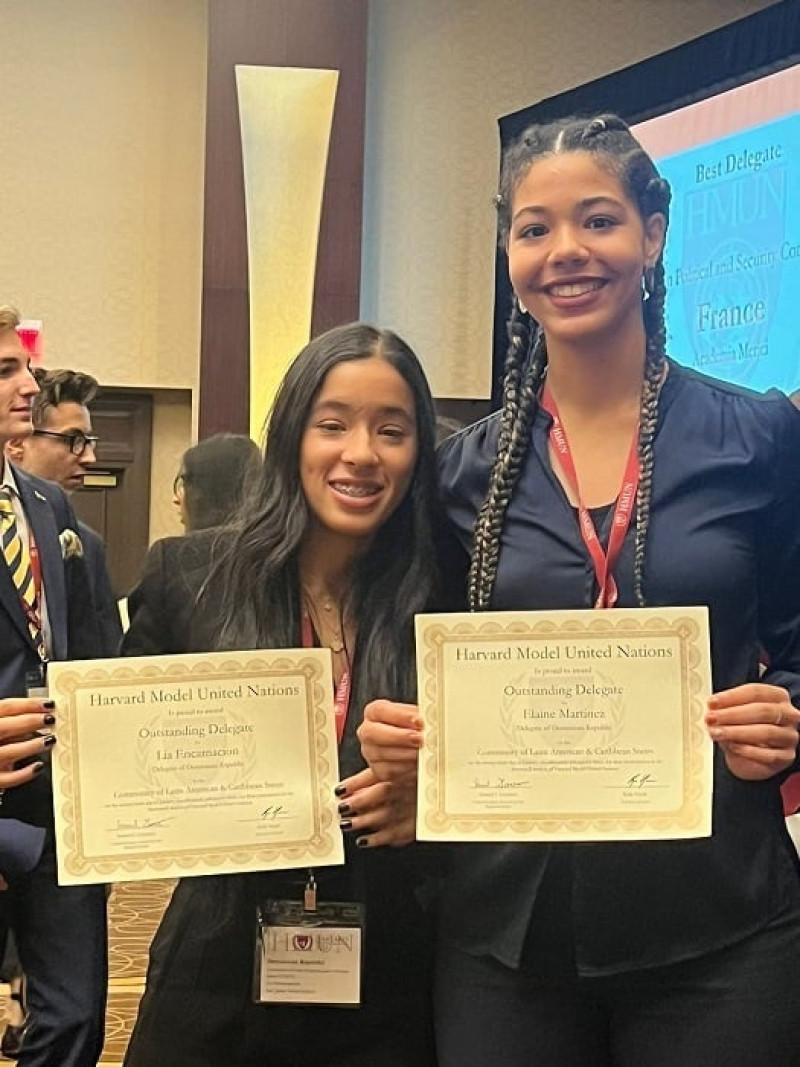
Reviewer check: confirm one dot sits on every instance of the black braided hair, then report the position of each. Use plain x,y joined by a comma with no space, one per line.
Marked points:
526,360
655,366
609,140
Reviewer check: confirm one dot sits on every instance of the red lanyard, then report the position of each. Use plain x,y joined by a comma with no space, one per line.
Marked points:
33,613
36,571
604,562
341,697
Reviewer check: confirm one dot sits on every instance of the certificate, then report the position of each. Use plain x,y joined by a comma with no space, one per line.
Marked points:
564,725
168,766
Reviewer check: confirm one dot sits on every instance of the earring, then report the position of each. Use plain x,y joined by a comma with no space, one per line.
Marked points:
649,280
520,305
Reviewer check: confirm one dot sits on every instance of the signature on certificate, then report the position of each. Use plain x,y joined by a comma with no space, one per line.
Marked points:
500,783
640,781
143,824
274,811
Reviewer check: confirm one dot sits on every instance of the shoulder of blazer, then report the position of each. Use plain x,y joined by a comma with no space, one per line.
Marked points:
53,494
186,559
94,549
174,571
163,607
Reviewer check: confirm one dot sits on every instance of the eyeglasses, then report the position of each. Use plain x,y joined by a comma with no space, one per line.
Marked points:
77,442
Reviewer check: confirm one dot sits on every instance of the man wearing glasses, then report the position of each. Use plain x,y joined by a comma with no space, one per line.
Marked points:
62,449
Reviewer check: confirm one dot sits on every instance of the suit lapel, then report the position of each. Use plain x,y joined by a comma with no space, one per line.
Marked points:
9,600
42,521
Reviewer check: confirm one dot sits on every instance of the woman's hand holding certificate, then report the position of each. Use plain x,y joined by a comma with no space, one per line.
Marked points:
566,725
756,727
198,764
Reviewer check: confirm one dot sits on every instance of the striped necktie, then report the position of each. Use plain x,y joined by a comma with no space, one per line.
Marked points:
19,565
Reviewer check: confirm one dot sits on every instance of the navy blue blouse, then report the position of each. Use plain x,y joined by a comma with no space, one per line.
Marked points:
725,532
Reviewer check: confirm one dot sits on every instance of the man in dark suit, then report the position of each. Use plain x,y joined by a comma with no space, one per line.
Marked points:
62,449
46,612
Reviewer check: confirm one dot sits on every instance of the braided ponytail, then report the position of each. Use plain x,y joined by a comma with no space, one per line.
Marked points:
526,360
655,366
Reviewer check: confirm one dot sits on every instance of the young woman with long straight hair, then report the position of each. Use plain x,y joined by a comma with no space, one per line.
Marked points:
336,541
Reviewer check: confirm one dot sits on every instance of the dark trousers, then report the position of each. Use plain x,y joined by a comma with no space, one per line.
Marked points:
61,935
737,1007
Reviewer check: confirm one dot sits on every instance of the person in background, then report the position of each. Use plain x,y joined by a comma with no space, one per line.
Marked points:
639,953
209,489
62,448
46,613
214,479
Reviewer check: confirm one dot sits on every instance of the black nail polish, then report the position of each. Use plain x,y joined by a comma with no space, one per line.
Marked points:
346,824
344,809
49,740
340,791
37,768
49,720
362,842
49,704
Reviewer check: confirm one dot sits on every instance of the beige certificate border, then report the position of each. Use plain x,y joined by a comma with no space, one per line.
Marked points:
692,818
322,846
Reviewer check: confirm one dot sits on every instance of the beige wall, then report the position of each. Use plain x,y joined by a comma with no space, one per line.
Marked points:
172,430
440,74
101,180
101,192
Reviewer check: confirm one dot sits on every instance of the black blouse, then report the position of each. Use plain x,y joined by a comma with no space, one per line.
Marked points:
724,532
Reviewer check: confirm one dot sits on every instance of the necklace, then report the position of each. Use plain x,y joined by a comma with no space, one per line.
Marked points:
329,630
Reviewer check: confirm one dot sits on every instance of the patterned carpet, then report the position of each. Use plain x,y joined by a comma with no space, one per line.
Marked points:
134,912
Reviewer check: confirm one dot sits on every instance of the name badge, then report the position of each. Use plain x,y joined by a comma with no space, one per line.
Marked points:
36,682
309,957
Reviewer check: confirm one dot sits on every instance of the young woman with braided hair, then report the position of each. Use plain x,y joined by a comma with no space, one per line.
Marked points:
624,954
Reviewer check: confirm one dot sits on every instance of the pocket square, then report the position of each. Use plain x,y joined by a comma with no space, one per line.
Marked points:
71,544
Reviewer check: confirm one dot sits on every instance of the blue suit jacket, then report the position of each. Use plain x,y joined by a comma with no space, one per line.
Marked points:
70,610
108,618
20,847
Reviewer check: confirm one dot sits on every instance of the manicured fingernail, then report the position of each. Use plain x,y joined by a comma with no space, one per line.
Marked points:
50,704
345,824
716,733
49,740
48,720
712,720
362,842
418,724
713,702
36,768
340,791
344,809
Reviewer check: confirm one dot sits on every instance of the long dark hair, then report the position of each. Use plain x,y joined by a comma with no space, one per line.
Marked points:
609,141
253,591
216,474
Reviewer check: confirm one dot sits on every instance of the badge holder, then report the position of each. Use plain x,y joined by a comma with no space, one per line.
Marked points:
309,952
36,682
